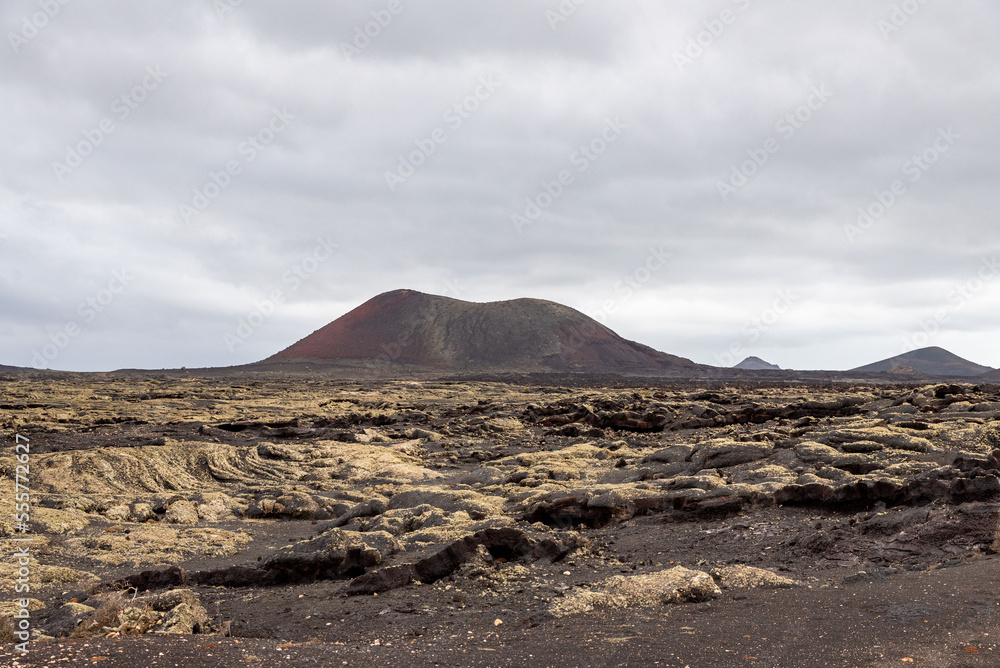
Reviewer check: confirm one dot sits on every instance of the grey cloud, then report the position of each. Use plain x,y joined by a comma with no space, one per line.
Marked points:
448,228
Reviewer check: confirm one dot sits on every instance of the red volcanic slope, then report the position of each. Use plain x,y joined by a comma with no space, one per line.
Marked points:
523,335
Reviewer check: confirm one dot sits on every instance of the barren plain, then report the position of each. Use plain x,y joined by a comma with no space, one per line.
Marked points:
275,520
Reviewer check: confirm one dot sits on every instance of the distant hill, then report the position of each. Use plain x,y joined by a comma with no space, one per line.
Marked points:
756,364
991,376
933,361
405,327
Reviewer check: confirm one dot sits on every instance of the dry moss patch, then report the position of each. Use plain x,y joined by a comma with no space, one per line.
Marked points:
154,544
674,585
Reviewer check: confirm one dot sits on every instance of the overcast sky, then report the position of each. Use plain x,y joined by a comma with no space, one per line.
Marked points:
203,183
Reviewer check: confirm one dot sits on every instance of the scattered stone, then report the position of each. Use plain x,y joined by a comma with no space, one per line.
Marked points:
65,618
674,585
870,575
119,513
886,523
671,455
508,544
476,505
135,620
275,451
333,553
721,455
181,512
861,446
816,452
887,437
141,512
749,577
185,618
424,434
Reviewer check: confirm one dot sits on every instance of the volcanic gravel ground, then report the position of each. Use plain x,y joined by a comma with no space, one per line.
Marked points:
329,522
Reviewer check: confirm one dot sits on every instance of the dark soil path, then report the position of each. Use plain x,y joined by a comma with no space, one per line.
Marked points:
946,617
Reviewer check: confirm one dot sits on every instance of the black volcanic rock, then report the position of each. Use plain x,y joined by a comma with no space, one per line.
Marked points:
522,335
931,361
756,364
